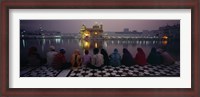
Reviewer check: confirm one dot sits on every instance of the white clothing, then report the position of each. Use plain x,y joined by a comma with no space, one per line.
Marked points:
50,57
97,60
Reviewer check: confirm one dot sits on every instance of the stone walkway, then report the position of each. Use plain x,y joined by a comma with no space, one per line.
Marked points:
106,71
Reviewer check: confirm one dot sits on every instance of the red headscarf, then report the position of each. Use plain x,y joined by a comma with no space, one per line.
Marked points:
140,57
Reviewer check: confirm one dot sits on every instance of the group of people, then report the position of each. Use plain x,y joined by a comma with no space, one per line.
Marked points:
100,58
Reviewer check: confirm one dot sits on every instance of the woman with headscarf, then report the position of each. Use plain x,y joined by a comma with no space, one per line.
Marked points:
167,59
105,56
76,59
33,58
115,58
154,57
140,57
127,58
59,60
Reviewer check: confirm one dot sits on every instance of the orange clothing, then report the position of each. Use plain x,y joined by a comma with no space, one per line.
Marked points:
75,60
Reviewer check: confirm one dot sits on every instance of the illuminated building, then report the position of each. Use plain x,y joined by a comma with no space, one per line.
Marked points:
94,32
165,37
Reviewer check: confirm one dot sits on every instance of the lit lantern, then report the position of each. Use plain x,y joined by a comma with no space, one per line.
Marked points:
95,33
165,37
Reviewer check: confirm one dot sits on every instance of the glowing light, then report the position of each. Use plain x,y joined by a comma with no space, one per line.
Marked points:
86,45
165,37
79,43
95,33
112,42
23,41
95,45
49,42
137,42
44,41
43,44
105,44
86,34
58,41
164,42
57,36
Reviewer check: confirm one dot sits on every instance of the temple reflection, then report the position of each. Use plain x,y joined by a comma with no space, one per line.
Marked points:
164,42
91,44
100,43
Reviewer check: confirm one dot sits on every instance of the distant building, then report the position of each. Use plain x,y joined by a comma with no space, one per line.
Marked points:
172,32
145,32
94,32
126,29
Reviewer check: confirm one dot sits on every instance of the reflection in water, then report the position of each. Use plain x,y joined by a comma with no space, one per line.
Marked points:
84,44
147,42
87,45
144,42
164,42
80,43
49,41
68,41
105,44
153,42
24,44
112,42
95,45
71,44
91,44
57,40
44,41
118,42
125,45
43,44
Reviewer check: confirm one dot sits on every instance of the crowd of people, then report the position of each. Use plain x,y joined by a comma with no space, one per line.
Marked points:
99,58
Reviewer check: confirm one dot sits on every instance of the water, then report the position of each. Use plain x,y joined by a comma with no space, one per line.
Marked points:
173,47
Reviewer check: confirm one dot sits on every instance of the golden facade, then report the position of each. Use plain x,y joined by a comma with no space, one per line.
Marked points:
94,32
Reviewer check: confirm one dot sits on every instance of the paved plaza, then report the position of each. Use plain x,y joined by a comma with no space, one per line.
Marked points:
106,71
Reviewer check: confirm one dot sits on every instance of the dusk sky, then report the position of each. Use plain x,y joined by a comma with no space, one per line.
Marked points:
73,26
